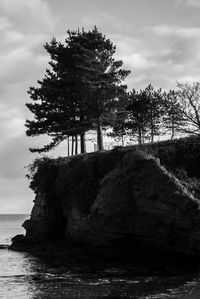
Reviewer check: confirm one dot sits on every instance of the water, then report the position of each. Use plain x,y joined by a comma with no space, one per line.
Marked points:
26,277
10,225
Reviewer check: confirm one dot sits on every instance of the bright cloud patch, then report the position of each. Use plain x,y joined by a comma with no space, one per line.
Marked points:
193,3
35,14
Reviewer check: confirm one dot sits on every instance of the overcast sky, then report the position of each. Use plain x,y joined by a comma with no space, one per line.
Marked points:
158,40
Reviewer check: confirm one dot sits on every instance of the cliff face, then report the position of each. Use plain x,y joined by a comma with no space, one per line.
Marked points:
143,203
116,198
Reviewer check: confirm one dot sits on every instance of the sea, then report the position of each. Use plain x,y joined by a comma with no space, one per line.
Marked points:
24,276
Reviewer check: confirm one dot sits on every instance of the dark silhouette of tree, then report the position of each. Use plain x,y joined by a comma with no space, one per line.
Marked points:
155,109
105,77
189,107
82,85
172,118
145,112
137,109
119,126
56,102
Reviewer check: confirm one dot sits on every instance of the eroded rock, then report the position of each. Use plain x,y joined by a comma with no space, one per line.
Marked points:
140,201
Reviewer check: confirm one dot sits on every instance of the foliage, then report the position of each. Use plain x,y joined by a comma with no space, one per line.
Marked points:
191,183
145,111
137,121
118,121
54,102
81,86
42,173
172,118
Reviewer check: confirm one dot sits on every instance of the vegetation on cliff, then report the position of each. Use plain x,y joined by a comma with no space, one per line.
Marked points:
78,178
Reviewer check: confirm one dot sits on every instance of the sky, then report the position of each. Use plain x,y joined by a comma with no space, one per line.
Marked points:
158,40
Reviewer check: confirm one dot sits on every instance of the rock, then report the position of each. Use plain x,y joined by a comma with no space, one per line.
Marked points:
115,271
21,242
4,246
47,220
141,203
37,225
77,229
135,205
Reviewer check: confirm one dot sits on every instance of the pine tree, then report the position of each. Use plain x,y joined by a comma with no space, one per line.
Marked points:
104,77
172,118
156,110
119,125
145,112
56,105
137,110
77,91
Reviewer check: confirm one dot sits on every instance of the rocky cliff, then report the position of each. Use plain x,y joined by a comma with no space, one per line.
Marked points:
123,198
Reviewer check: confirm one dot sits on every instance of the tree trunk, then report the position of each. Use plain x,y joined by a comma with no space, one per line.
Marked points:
72,149
143,139
152,135
83,144
68,152
76,145
99,137
152,128
139,136
173,129
122,136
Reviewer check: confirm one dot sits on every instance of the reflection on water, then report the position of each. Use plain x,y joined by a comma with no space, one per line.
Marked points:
23,276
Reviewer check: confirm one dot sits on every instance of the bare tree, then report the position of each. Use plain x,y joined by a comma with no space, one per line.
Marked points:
189,100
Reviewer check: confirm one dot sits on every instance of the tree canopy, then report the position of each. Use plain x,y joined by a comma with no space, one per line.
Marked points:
81,86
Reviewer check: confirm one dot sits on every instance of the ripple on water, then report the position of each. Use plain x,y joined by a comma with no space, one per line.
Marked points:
26,277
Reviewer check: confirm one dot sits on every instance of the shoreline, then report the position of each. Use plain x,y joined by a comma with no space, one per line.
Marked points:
81,258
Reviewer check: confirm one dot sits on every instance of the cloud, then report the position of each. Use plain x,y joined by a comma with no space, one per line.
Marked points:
181,46
14,156
15,197
160,55
12,122
97,18
103,18
36,14
24,27
184,32
4,24
192,3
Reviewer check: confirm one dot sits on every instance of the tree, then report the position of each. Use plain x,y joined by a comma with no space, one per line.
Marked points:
105,77
137,115
119,125
172,118
189,107
145,112
81,86
56,102
155,108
